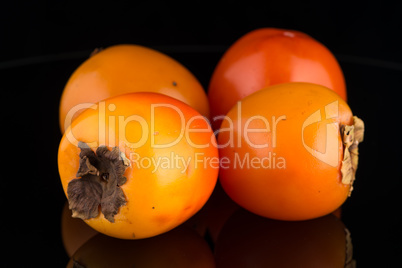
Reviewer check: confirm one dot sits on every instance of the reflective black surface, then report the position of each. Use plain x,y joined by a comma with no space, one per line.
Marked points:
42,43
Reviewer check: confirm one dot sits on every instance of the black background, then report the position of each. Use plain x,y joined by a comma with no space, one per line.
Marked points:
42,42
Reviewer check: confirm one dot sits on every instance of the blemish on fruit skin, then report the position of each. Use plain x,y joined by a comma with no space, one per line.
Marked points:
163,220
156,133
174,83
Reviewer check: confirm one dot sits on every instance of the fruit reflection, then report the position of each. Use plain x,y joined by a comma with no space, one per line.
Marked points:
209,221
338,212
181,247
74,232
219,208
248,240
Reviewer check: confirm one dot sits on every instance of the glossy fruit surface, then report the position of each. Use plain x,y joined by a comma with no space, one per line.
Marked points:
133,165
122,69
282,151
271,56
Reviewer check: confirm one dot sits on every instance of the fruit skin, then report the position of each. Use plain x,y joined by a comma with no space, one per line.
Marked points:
178,248
122,69
299,174
249,240
158,199
270,56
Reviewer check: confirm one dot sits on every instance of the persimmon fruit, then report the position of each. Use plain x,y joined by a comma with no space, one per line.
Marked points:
270,56
122,69
132,166
290,151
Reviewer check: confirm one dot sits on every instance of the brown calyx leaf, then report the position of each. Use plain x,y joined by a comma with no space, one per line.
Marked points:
98,182
351,137
84,196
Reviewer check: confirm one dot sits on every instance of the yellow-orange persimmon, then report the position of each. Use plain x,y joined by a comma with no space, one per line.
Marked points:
132,166
270,56
289,151
123,69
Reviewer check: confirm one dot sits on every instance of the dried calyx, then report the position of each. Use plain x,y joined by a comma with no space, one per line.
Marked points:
98,182
351,137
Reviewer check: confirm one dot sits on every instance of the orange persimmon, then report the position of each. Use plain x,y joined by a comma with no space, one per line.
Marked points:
270,56
123,69
132,166
289,151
